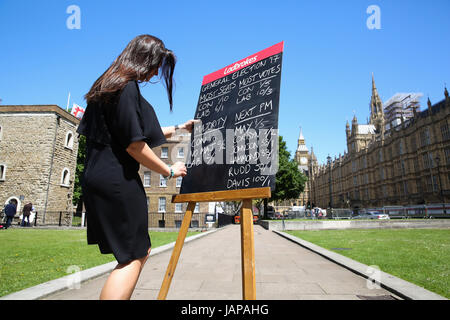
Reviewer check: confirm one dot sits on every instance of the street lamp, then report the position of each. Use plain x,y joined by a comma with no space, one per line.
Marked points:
329,182
440,183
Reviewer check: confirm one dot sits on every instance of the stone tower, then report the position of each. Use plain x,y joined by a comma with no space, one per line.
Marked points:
302,154
376,110
359,136
302,157
39,147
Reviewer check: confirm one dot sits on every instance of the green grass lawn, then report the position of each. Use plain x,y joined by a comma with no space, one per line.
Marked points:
420,256
33,256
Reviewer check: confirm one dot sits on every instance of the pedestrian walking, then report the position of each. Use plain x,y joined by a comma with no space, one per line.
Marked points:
26,211
10,212
121,127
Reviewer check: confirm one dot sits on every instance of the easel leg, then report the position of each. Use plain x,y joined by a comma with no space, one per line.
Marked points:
176,252
248,251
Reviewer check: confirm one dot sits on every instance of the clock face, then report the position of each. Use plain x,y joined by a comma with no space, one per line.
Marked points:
303,160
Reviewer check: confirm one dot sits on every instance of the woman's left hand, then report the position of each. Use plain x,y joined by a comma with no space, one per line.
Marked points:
189,125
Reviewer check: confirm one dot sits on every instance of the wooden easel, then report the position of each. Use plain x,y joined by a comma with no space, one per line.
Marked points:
247,236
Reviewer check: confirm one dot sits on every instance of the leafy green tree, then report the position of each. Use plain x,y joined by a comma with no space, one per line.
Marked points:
289,180
81,156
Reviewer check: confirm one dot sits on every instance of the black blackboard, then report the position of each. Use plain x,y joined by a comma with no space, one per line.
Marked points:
236,144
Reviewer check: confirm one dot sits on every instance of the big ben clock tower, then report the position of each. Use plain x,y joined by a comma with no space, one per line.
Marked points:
302,157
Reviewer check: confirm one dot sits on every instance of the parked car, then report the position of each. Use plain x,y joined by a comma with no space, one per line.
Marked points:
372,215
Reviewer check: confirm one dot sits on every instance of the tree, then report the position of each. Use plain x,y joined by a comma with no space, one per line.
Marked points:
289,180
81,156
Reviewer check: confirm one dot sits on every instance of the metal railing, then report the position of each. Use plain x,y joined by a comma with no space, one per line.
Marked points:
169,220
437,210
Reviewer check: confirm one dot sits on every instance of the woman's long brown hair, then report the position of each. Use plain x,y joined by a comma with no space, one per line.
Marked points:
143,55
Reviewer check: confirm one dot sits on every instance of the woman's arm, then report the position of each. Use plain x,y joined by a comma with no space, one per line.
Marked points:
168,131
188,126
142,153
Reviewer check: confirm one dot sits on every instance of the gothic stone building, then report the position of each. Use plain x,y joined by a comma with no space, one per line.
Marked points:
406,164
38,154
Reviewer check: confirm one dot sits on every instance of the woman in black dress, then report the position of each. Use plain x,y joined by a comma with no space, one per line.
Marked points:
121,127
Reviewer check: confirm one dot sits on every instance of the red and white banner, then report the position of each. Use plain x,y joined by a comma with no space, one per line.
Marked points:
277,48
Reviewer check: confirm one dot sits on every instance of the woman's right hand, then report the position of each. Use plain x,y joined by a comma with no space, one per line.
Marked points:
179,169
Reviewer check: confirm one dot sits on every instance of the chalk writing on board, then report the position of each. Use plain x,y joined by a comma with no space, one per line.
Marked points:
235,143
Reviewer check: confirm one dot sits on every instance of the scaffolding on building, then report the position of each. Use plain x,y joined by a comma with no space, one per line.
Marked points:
401,107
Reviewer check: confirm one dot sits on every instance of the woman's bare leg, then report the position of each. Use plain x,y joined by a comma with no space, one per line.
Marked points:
122,280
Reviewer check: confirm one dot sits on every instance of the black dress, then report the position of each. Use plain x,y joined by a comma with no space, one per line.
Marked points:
113,194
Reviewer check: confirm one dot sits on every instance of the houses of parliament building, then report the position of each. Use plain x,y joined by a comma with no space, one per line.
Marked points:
401,156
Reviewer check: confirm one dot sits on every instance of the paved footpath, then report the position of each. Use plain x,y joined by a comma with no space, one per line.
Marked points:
210,269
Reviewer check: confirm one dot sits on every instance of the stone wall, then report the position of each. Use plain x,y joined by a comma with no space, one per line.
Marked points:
32,148
64,158
353,224
25,149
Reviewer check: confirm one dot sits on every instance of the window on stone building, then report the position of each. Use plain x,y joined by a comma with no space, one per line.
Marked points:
380,156
400,148
389,153
162,204
381,173
435,184
2,172
399,188
65,177
432,185
164,152
405,188
426,161
178,182
419,186
447,155
425,137
355,181
413,143
403,167
444,131
416,164
178,207
147,175
180,153
162,181
69,140
197,208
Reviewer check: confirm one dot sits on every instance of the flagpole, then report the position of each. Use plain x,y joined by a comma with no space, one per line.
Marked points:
68,99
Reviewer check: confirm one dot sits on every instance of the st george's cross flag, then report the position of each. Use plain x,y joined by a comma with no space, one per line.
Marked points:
77,111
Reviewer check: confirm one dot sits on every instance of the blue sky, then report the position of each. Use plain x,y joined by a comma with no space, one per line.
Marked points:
329,54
